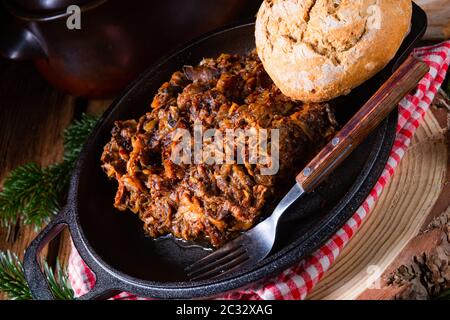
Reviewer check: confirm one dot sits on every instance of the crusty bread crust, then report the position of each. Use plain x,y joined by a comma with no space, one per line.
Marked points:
317,50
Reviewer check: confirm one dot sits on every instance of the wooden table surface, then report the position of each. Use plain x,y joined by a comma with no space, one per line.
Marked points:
33,116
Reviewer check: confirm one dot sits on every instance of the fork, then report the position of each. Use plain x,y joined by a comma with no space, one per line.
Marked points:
256,244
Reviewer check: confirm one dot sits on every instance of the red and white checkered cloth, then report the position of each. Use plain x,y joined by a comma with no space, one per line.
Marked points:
299,280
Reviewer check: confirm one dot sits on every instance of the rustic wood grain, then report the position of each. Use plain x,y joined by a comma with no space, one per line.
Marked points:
397,218
443,202
33,116
438,12
426,241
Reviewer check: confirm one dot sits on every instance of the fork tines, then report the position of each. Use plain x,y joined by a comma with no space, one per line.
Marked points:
218,263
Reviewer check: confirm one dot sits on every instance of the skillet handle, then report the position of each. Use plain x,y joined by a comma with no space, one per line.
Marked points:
36,279
103,288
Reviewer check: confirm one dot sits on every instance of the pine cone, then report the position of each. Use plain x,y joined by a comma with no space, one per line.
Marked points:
429,273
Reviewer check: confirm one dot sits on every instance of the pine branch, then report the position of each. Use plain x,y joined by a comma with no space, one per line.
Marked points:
59,282
13,283
76,135
12,279
31,194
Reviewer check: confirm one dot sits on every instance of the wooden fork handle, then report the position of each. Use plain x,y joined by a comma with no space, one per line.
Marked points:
404,79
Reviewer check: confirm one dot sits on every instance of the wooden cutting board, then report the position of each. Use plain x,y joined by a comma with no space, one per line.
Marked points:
399,215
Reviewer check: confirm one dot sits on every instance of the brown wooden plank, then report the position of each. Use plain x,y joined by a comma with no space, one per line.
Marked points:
33,116
396,220
443,116
438,12
422,243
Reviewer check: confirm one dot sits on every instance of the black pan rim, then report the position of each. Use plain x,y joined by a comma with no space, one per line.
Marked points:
242,277
208,288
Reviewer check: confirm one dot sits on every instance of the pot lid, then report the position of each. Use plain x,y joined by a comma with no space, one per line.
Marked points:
45,6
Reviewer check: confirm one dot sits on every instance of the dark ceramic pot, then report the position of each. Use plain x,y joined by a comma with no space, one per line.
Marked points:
117,40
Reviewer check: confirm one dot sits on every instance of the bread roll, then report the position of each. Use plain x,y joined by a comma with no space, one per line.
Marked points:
317,50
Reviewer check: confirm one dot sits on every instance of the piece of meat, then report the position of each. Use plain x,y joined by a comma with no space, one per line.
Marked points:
213,201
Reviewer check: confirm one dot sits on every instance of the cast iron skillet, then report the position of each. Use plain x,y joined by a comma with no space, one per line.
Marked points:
113,244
